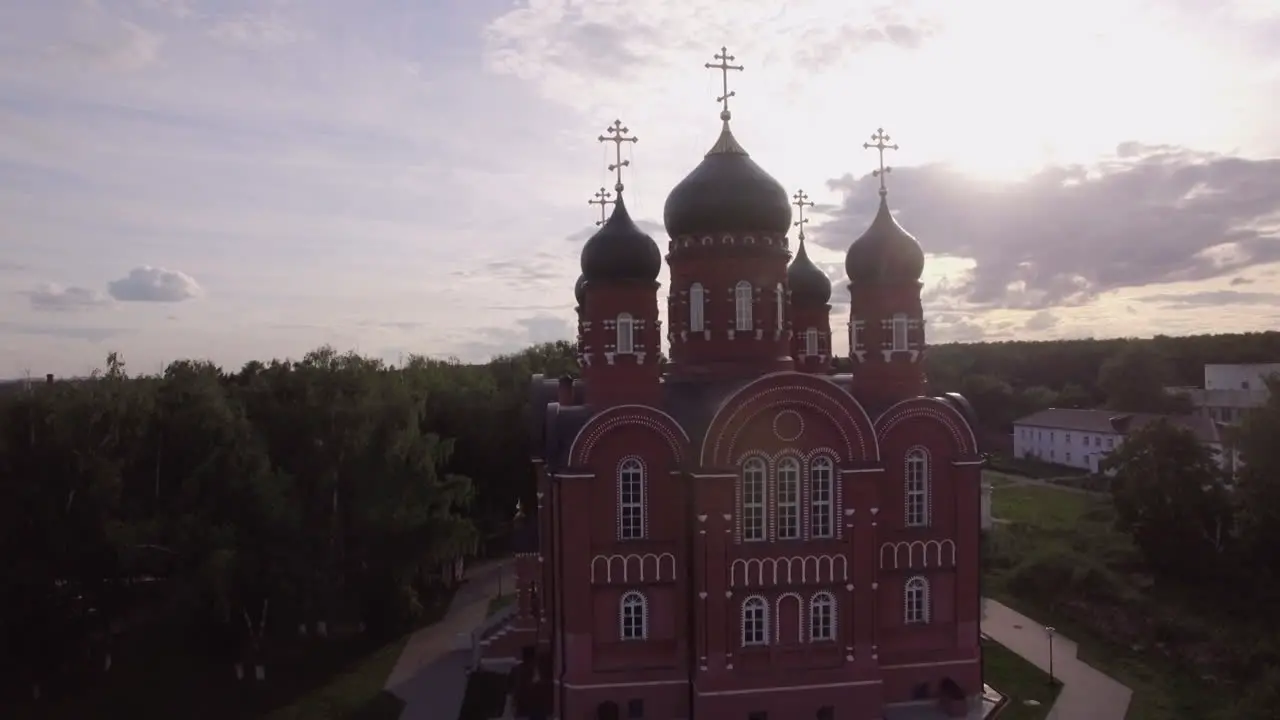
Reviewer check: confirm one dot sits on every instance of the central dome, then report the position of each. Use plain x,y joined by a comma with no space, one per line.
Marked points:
727,193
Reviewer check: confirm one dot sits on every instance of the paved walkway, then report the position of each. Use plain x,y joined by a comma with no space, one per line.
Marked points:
1086,693
431,675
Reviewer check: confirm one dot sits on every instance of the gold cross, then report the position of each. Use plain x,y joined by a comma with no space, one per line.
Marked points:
602,199
724,67
881,145
617,136
801,200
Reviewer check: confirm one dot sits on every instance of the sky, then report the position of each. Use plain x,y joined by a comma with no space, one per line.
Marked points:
248,179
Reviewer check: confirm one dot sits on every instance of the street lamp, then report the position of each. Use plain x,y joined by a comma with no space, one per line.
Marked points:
1049,631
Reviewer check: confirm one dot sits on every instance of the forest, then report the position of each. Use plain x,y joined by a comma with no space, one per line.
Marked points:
231,510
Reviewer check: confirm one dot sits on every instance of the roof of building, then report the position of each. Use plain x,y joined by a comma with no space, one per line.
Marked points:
809,285
620,251
727,193
1117,423
885,253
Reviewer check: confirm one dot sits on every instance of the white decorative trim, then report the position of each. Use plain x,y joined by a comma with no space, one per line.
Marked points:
641,562
834,609
921,453
643,415
777,625
836,570
644,615
932,409
921,584
943,554
740,498
799,421
797,460
834,494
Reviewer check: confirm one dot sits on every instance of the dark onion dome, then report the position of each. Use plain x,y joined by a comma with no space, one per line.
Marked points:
620,251
727,193
580,290
808,284
885,253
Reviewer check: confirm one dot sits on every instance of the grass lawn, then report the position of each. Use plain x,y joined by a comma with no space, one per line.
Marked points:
1071,536
498,602
354,693
1018,680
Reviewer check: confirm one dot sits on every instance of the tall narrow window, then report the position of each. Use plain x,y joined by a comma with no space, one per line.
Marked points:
697,306
811,341
630,500
916,488
753,473
820,488
822,617
855,333
782,306
755,621
742,300
899,332
626,334
915,601
634,617
788,499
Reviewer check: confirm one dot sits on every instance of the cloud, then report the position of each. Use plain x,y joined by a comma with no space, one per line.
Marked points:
1042,320
1214,298
88,334
1150,214
52,297
254,31
153,284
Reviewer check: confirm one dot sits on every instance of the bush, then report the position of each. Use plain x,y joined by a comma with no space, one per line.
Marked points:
1058,572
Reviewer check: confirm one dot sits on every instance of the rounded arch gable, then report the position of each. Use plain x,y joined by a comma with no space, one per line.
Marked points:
802,393
930,410
643,416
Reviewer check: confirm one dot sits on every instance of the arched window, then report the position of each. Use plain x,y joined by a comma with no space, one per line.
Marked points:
821,520
626,334
634,616
788,489
742,301
631,499
916,488
915,601
782,306
697,306
753,474
755,621
855,333
899,332
811,341
822,617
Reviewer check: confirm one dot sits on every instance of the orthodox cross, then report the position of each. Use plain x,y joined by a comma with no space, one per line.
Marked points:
724,67
881,145
801,200
617,134
603,199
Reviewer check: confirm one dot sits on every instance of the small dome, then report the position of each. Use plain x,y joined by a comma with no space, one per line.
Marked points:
580,290
808,284
620,251
727,193
885,253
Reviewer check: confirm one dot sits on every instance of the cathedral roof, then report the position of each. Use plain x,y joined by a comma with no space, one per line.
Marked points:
885,253
620,251
808,284
580,290
727,193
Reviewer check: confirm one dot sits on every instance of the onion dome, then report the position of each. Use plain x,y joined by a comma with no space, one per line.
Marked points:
620,251
885,253
808,284
727,193
580,290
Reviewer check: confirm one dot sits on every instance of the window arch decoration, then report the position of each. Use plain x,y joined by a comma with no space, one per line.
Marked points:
917,488
633,616
626,327
753,484
777,617
755,621
822,500
697,308
633,516
915,601
822,617
787,498
742,302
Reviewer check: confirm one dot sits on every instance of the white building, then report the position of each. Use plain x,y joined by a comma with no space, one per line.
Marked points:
1230,390
1082,438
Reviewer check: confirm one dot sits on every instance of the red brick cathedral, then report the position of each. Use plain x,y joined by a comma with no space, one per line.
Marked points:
738,532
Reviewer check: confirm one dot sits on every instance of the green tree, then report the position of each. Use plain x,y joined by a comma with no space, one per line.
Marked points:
1169,495
1258,489
1134,380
